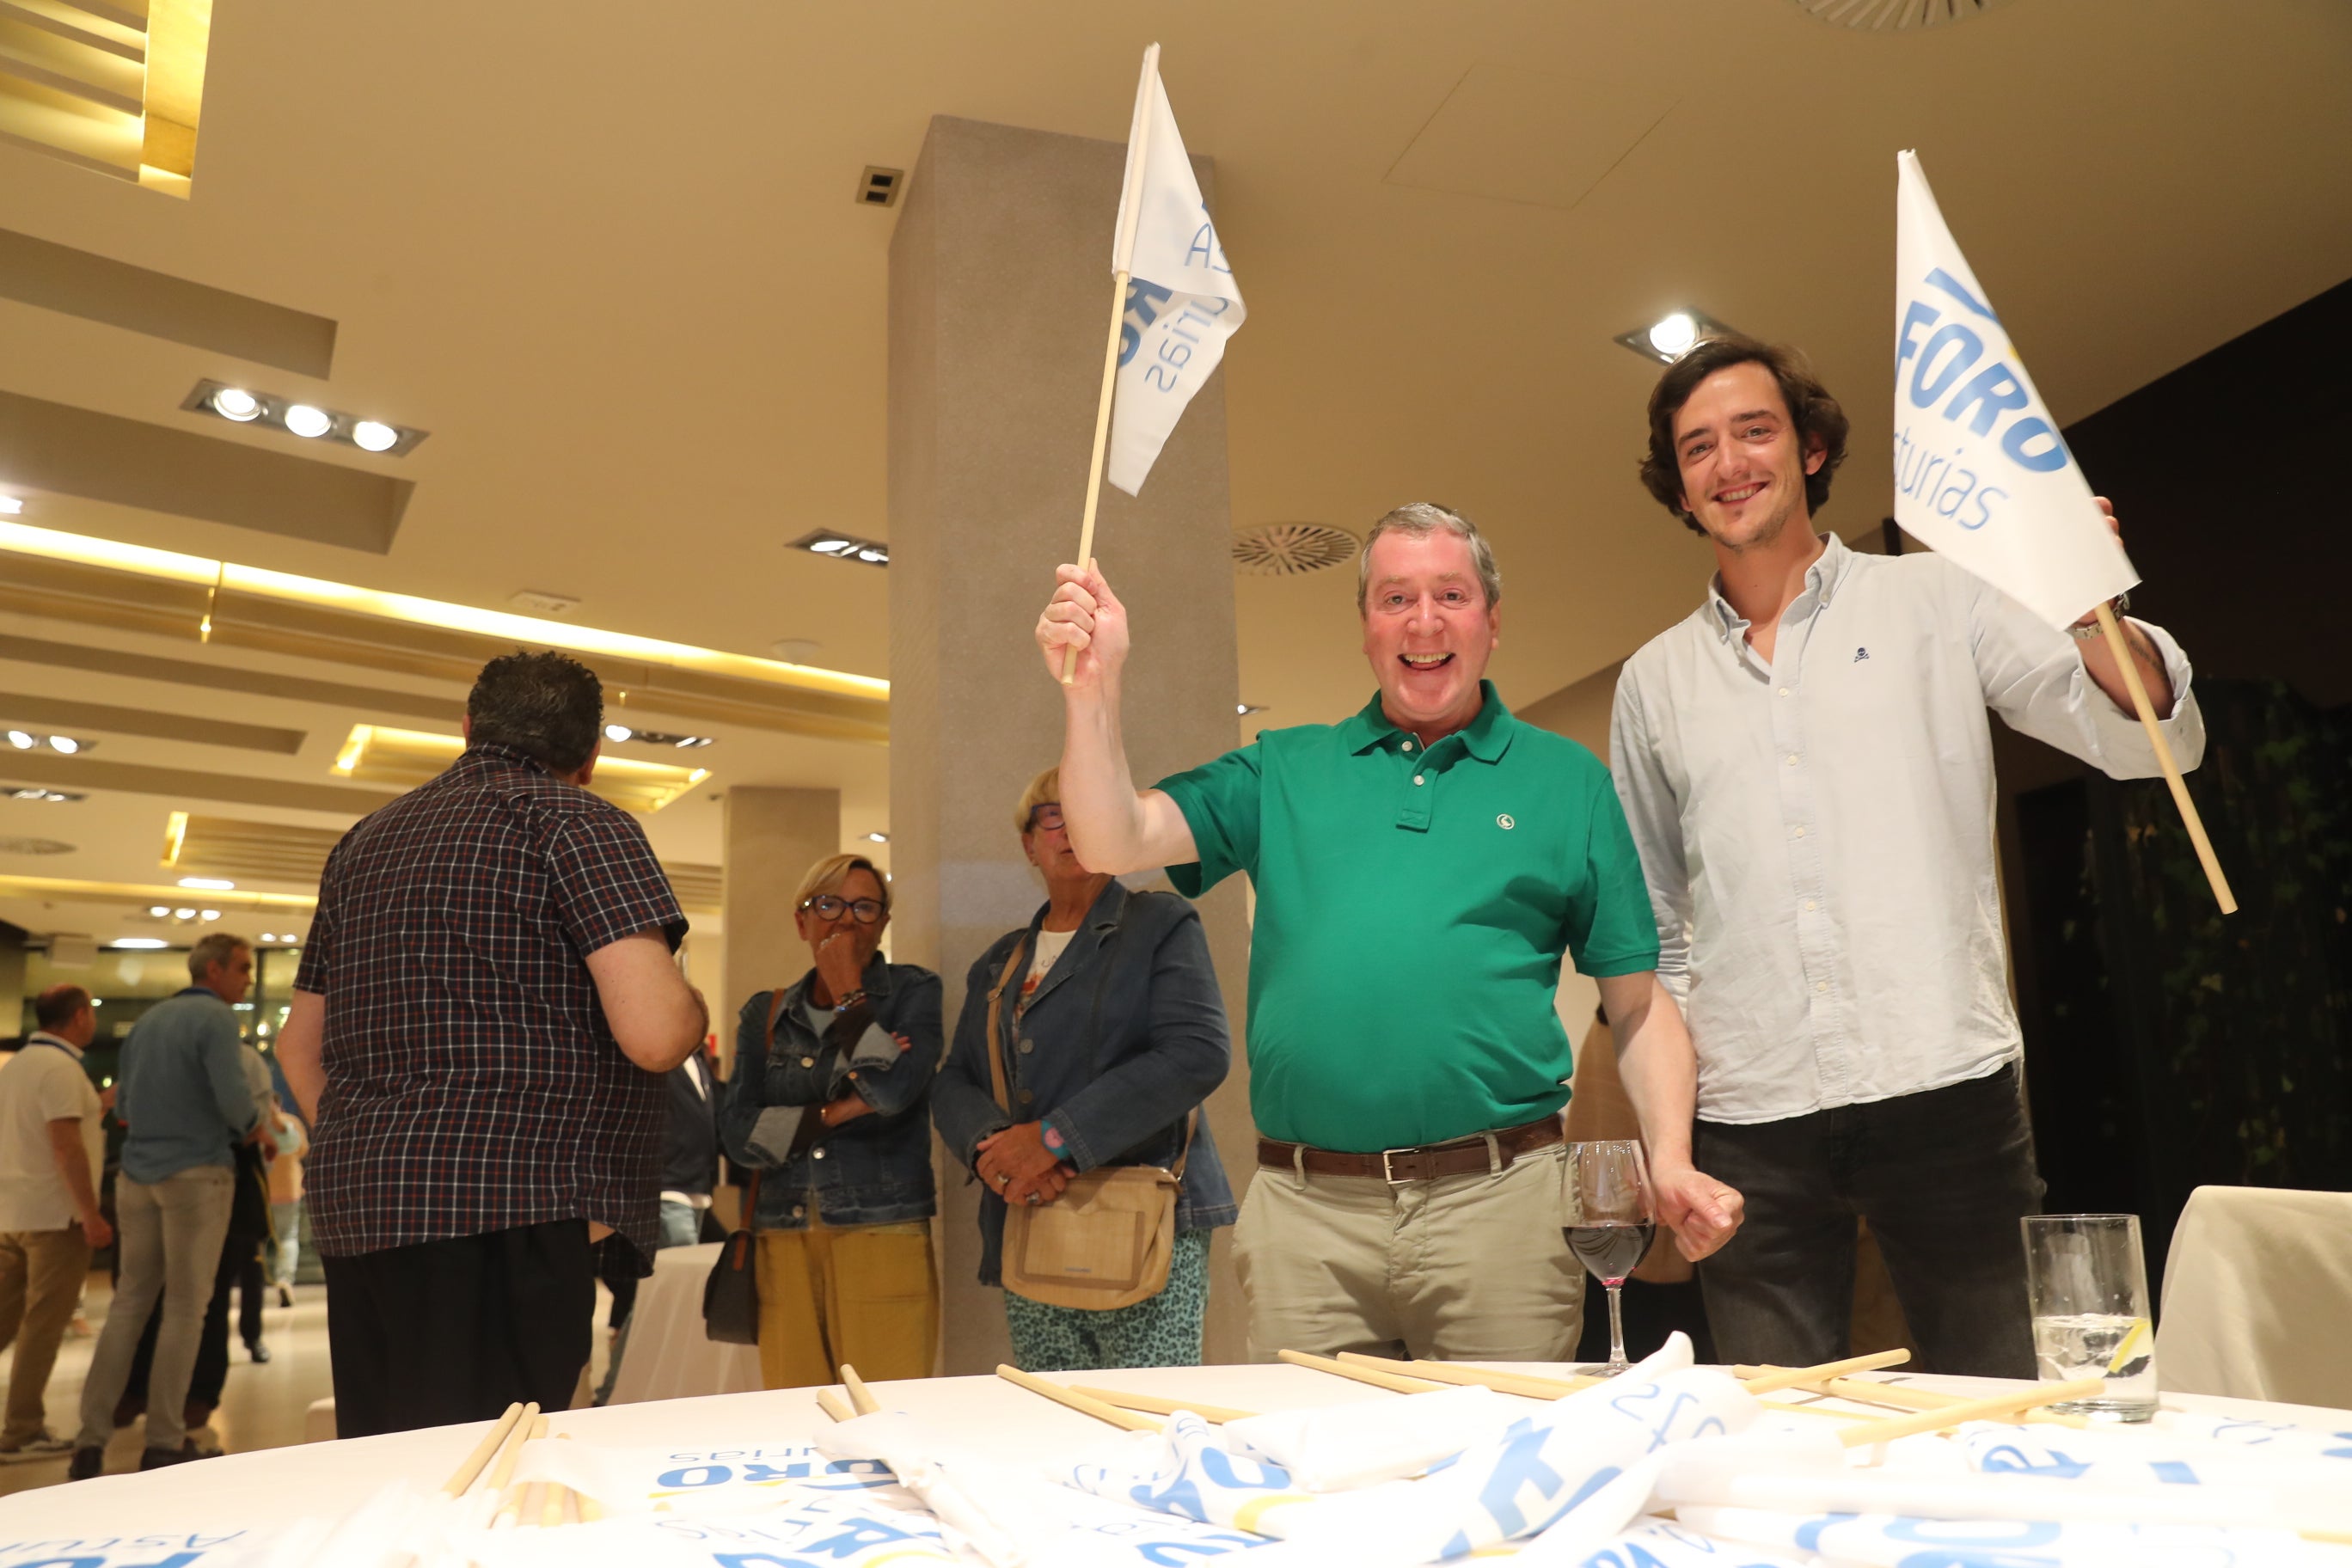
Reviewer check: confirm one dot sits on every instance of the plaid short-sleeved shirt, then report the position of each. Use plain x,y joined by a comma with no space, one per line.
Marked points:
473,1083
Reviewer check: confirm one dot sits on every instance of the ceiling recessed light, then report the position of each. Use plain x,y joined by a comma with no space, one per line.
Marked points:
1246,708
250,405
187,914
10,506
1672,335
618,732
308,422
877,838
21,741
843,547
159,910
795,650
140,943
374,436
64,744
208,884
828,546
235,403
209,915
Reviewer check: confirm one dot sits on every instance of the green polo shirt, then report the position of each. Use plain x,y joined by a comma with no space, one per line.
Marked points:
1412,908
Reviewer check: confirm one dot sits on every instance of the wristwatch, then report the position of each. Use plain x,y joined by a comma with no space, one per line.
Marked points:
2119,604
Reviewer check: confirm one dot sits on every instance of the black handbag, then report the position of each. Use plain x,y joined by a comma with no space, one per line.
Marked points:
731,1296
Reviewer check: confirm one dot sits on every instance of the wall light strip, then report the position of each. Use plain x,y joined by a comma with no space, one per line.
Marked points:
146,562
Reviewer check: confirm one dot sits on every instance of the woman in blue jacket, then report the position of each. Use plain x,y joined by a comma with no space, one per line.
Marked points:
827,1103
1113,1033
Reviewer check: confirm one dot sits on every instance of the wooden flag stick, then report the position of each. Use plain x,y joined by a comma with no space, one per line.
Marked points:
2179,787
518,1435
834,1406
1084,1405
1790,1377
1151,1404
464,1475
1138,142
861,1399
1524,1384
510,1512
2027,1397
1899,1395
587,1510
1358,1373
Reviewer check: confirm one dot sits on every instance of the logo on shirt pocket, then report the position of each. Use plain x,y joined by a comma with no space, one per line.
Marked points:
1505,821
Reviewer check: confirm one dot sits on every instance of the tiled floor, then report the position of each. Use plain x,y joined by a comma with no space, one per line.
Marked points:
262,1407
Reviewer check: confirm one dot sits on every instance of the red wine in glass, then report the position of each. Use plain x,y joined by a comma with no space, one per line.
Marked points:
1607,1220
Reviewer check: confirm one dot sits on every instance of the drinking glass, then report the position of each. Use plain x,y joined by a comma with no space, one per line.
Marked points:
1606,1218
2088,1287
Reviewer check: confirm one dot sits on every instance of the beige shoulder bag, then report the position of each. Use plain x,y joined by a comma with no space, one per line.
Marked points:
1107,1240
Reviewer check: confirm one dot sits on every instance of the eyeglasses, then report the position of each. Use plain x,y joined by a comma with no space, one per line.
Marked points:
1045,816
830,907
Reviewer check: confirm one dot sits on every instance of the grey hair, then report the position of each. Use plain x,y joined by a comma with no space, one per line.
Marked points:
213,947
1419,520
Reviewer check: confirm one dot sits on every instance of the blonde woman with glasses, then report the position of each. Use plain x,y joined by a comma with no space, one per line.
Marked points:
830,1104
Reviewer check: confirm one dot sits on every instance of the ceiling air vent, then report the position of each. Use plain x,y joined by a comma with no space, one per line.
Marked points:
878,187
1292,549
1895,16
33,847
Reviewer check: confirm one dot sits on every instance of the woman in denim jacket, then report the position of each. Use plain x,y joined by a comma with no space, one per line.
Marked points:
1113,1032
828,1102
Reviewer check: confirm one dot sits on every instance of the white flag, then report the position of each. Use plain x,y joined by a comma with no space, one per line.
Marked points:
1980,471
1181,300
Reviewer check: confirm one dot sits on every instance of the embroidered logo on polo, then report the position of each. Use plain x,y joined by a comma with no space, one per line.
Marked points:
1860,654
1506,822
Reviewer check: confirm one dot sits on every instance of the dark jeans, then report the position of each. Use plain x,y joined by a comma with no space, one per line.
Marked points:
1943,1177
455,1331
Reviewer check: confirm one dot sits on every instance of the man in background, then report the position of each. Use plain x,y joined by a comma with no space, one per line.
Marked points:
52,1147
484,1005
184,1097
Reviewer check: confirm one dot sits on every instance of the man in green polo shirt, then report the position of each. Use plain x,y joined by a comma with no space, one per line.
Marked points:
1421,869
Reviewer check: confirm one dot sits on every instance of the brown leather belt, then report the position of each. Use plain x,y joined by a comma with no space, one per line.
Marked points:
1455,1157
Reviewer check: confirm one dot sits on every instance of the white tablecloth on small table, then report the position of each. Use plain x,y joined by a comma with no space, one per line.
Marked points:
668,1356
2257,1296
272,1485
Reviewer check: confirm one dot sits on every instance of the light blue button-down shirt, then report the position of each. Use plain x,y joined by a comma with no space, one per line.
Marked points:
182,1091
1818,833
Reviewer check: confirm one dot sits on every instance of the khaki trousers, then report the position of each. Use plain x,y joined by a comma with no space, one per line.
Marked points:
41,1272
864,1294
168,1234
1469,1267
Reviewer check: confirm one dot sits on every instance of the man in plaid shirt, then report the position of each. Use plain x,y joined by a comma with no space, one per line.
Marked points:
484,1008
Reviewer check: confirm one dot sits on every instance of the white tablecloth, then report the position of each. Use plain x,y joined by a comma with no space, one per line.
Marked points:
668,1356
2258,1295
243,1489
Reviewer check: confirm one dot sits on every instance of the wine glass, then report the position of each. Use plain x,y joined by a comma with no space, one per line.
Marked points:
1609,1223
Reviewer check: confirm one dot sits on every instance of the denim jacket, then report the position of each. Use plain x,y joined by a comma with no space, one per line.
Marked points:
871,1170
1124,1036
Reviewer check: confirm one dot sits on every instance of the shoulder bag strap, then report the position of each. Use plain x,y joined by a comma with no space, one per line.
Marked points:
997,1075
752,1190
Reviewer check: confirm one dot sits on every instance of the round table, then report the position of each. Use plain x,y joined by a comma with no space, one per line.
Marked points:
244,1489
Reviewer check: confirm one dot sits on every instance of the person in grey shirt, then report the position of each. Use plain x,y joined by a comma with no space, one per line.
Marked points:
1807,767
184,1098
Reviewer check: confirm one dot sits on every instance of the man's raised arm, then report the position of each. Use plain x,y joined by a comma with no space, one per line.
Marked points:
1112,828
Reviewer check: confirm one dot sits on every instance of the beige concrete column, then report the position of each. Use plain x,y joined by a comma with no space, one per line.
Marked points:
1000,294
771,837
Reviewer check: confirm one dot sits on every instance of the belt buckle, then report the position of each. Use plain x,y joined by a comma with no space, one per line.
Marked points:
1387,1169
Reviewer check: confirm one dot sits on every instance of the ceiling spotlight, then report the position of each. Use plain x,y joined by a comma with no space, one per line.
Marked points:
209,915
21,741
235,403
141,943
208,884
269,936
309,422
618,732
374,436
64,744
183,914
877,838
828,546
1244,709
159,910
843,547
1672,335
10,506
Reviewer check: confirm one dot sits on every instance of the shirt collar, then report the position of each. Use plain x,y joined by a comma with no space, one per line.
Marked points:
43,1038
492,754
1486,737
1823,580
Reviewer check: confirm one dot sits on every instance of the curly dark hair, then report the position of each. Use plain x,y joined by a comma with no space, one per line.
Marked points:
1818,419
542,704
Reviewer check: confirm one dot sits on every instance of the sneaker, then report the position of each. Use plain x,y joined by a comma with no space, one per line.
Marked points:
285,1295
257,1351
40,1446
157,1459
204,1443
77,1327
88,1463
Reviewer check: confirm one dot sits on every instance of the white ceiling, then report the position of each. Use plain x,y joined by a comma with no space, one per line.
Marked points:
609,257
